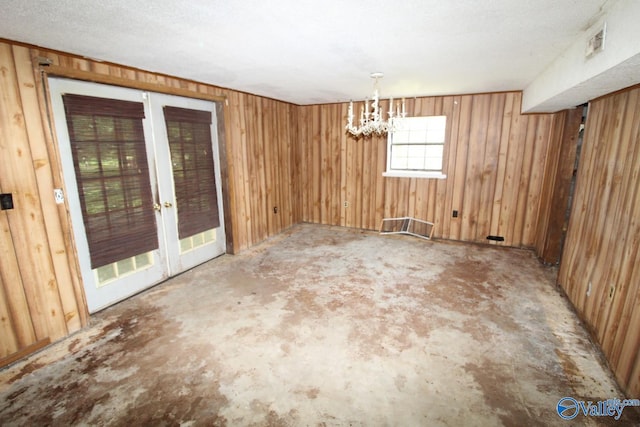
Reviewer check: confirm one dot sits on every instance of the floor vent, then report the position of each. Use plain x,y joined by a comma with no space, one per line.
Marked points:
407,225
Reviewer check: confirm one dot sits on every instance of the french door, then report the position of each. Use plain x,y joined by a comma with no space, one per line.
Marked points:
143,180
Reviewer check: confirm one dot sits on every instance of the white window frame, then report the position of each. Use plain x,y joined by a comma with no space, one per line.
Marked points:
416,134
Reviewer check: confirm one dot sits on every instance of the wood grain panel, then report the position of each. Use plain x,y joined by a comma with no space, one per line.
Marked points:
494,160
45,165
26,221
598,270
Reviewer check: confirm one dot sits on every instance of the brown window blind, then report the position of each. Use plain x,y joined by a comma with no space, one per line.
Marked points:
112,173
189,133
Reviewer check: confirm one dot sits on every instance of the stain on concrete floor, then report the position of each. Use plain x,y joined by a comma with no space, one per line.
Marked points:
324,326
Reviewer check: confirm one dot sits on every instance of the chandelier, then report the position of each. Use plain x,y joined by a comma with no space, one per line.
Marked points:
371,120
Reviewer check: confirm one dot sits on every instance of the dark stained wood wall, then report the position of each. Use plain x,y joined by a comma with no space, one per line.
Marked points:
599,269
494,162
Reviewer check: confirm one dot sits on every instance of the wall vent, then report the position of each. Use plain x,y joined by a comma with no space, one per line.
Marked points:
596,43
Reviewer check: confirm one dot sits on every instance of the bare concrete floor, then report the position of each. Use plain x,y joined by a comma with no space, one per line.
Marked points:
326,326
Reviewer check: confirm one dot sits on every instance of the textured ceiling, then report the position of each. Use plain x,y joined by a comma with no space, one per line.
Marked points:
309,52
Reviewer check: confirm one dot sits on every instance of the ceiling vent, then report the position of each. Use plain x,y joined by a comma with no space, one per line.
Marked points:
596,43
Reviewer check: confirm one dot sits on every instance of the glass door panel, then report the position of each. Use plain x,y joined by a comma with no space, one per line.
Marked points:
188,163
106,152
142,177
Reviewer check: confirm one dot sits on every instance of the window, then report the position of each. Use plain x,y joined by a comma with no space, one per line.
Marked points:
415,148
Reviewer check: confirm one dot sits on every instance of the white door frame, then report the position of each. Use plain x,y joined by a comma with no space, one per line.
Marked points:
165,260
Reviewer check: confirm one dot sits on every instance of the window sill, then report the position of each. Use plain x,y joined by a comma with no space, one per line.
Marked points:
410,174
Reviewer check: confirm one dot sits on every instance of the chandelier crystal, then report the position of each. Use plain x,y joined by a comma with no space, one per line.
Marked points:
371,120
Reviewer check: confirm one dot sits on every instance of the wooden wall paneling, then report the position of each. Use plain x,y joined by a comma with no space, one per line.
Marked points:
325,169
372,175
277,165
627,297
573,274
437,187
491,149
623,351
359,175
316,169
421,191
601,221
18,177
535,179
391,197
477,142
9,342
633,379
288,174
239,171
615,271
257,183
489,166
269,157
296,198
366,162
74,313
340,146
509,115
556,186
414,199
440,214
226,166
598,270
254,196
281,165
617,228
451,149
522,174
332,173
15,304
379,180
460,177
552,166
349,180
354,154
304,162
512,180
621,324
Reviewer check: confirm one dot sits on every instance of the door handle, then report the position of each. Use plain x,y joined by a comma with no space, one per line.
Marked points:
167,204
157,207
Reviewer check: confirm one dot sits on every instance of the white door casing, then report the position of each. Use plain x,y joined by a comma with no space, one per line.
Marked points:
172,256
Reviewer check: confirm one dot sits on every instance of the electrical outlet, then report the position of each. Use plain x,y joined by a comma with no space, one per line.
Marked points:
58,195
346,204
455,214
